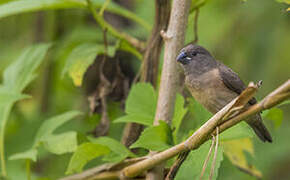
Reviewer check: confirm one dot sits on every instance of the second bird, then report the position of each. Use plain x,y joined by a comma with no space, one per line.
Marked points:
214,85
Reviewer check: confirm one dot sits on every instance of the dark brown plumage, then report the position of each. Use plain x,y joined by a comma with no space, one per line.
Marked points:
214,85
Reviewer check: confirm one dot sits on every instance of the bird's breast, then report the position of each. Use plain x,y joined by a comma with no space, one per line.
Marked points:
209,90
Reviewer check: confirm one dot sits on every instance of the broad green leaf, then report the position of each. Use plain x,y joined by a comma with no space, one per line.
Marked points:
145,120
142,100
53,123
241,130
179,112
61,143
200,114
85,153
192,166
57,144
21,72
24,6
81,58
118,151
16,77
234,150
140,105
155,138
275,114
30,154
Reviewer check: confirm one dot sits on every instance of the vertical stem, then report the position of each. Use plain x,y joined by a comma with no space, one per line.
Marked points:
171,74
2,153
150,63
28,170
2,138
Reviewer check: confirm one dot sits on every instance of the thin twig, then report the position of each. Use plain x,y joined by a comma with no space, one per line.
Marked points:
177,164
170,77
121,35
215,154
203,133
207,158
105,5
279,95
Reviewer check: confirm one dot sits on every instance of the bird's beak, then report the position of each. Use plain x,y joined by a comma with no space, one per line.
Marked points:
182,58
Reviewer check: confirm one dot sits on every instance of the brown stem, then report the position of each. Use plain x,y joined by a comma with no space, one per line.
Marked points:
171,74
177,164
150,63
204,133
215,154
207,158
121,35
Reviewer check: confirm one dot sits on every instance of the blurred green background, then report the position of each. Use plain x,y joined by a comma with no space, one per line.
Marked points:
251,37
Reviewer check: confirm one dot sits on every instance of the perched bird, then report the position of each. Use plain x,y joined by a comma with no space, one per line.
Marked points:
214,85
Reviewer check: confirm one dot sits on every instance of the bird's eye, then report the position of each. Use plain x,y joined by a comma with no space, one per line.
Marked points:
194,53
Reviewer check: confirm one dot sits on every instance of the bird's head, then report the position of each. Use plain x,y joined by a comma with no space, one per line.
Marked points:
195,60
192,53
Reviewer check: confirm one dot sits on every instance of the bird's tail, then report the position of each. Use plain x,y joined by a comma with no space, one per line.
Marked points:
259,128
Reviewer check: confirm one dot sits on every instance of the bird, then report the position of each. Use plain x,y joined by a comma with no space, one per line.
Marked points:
214,85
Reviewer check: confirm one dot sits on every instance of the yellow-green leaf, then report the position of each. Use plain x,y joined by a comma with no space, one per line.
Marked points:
234,150
81,58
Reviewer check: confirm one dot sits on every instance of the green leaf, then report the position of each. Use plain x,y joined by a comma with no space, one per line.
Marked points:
140,105
81,58
15,78
118,151
53,123
179,113
275,114
30,154
192,166
61,143
241,130
155,138
145,120
85,153
20,73
142,100
200,114
7,97
57,144
24,6
235,149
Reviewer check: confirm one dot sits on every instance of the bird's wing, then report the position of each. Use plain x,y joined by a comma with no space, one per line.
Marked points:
232,80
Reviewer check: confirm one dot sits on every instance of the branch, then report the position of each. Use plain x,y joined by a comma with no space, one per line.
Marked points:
204,133
171,75
150,64
121,35
109,170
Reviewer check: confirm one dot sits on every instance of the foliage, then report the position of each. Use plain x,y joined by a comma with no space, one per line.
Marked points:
57,144
16,77
83,154
192,167
77,40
